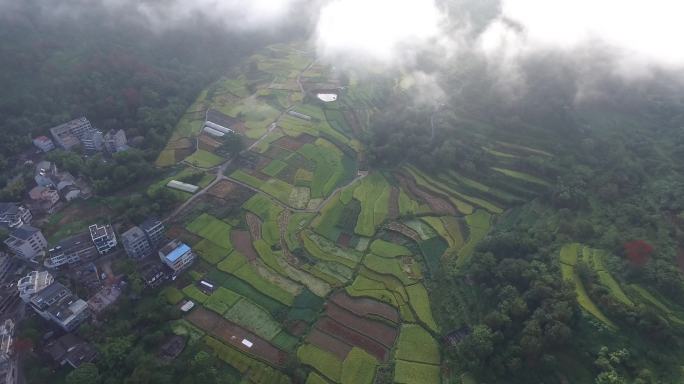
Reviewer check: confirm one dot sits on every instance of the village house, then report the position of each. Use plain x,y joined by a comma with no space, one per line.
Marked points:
57,304
47,175
135,243
14,215
71,250
44,143
26,242
43,199
71,349
33,283
115,141
154,231
103,237
176,255
141,241
77,132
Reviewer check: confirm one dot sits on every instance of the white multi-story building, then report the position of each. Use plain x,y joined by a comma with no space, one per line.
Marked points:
103,237
71,250
33,283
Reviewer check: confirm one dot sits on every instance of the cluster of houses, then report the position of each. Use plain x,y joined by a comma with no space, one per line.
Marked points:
139,242
28,248
55,302
81,133
53,187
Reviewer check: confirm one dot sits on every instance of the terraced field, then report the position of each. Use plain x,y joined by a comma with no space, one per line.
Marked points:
320,266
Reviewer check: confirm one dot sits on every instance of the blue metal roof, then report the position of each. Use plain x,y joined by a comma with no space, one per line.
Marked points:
177,253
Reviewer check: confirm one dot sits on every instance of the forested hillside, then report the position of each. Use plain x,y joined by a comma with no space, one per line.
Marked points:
109,67
607,220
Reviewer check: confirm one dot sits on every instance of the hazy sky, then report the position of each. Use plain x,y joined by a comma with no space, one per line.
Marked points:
640,33
377,30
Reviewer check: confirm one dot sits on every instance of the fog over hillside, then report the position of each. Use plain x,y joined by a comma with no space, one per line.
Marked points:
639,35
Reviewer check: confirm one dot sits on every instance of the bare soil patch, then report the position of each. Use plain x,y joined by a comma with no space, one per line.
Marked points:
373,329
289,143
437,204
181,154
276,152
329,343
343,240
352,337
242,241
240,127
403,230
365,307
182,143
296,327
223,189
233,334
207,143
183,235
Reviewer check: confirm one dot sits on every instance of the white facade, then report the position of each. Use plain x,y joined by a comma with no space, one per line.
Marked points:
33,283
103,237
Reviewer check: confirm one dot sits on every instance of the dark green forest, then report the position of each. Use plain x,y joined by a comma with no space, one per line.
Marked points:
616,182
111,68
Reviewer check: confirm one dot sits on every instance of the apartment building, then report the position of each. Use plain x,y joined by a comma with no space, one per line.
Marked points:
71,250
103,237
26,242
58,304
176,255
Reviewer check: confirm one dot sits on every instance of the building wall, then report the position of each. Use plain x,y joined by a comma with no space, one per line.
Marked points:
137,248
182,262
29,248
155,234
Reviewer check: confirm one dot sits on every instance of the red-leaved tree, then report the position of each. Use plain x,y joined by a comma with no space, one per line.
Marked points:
638,252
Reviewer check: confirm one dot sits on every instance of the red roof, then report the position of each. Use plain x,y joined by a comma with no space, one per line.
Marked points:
42,138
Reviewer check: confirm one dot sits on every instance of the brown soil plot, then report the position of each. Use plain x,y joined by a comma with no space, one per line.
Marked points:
236,336
365,307
352,337
375,330
437,204
242,242
329,343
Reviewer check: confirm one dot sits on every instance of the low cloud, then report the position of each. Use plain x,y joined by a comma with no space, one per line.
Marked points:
379,32
639,34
